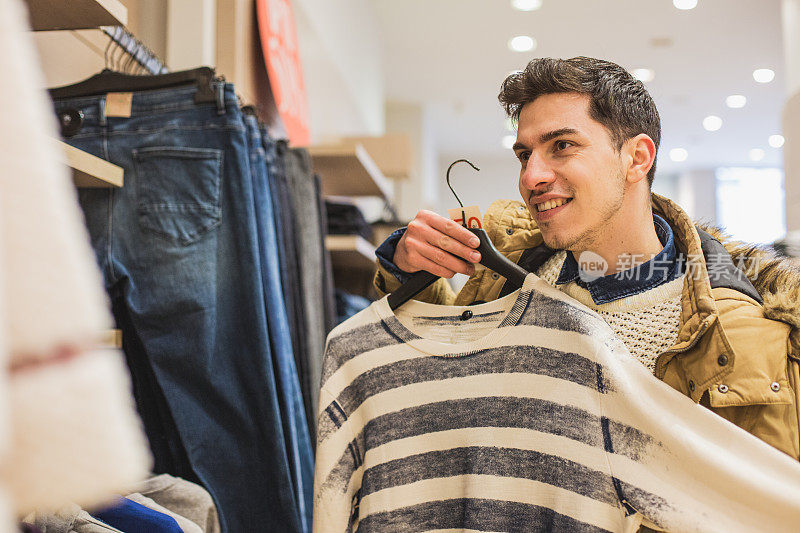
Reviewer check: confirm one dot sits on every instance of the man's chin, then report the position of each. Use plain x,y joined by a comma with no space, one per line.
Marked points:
556,242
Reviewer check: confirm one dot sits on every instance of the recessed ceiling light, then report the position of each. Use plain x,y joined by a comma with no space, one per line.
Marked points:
522,43
763,75
712,123
684,4
776,141
678,154
736,101
756,154
508,141
510,126
643,74
526,5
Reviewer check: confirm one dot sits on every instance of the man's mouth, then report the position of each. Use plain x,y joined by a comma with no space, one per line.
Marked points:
552,204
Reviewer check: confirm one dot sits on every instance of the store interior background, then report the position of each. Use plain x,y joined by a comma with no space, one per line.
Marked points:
431,69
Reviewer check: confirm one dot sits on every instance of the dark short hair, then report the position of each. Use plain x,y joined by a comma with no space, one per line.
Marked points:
619,101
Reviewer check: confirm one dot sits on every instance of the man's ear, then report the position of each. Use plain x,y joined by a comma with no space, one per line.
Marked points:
639,155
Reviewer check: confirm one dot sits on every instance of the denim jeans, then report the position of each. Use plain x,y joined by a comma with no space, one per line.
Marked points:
290,399
309,239
290,265
178,245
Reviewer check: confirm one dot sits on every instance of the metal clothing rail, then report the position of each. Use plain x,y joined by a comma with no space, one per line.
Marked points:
133,47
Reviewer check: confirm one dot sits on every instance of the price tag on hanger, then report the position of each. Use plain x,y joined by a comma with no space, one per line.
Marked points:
473,214
119,104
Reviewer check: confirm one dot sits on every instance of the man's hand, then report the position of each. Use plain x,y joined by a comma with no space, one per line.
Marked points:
437,244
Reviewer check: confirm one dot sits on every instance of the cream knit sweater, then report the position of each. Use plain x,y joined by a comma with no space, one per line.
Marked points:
647,323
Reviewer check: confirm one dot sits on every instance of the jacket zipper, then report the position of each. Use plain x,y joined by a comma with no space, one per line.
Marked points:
688,347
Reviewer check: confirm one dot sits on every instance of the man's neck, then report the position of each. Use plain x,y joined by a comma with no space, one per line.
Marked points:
627,245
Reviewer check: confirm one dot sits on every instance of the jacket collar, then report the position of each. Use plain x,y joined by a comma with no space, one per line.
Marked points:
663,267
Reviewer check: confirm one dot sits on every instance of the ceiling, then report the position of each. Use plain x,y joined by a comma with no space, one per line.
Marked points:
452,55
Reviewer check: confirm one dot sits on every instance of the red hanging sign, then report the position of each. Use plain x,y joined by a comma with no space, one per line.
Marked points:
282,56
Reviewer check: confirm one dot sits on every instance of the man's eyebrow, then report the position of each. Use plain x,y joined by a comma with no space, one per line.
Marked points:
550,135
545,137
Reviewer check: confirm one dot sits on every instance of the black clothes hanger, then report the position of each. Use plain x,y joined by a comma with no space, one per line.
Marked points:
124,56
490,258
108,81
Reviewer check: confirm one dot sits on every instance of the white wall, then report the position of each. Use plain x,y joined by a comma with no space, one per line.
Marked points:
341,53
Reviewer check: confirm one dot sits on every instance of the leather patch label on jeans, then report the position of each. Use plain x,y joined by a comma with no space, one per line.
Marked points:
473,214
118,104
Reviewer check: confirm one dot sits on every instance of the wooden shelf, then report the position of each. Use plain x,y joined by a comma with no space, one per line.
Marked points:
391,152
76,14
89,171
350,251
349,171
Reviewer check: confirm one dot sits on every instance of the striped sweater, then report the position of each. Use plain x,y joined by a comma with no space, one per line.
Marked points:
525,414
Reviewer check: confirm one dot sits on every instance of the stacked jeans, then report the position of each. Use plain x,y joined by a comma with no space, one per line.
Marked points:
179,246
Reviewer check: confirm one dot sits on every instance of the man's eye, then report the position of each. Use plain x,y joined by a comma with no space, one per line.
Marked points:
524,156
562,145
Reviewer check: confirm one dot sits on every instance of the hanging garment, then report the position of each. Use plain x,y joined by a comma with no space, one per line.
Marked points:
328,298
186,525
131,517
184,498
288,255
69,429
70,518
310,265
525,414
299,455
178,249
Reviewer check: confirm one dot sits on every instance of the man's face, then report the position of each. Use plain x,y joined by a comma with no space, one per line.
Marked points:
571,174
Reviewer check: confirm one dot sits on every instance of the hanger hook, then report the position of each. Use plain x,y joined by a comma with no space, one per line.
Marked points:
448,178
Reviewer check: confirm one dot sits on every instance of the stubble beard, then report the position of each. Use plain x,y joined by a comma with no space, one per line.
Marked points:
586,239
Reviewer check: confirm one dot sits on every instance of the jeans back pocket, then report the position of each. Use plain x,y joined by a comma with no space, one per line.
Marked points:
177,190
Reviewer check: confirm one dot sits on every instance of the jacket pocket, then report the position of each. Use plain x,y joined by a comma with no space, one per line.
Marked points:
177,190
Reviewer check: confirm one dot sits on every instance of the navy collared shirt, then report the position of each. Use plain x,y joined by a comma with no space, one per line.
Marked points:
662,268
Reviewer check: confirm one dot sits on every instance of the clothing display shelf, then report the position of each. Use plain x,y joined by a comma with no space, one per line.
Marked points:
349,171
89,171
392,152
76,14
351,251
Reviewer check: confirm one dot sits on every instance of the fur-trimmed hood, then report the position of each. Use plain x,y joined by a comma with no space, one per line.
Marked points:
776,278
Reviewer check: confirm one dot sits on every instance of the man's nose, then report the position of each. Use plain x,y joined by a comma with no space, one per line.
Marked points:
537,173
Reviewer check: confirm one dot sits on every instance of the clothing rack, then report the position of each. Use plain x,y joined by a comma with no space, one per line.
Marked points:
135,49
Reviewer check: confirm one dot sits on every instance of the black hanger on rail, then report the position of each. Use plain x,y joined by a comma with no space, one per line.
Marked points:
120,75
490,258
109,81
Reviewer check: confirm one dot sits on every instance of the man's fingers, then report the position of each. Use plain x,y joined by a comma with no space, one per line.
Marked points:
451,228
447,243
434,268
443,259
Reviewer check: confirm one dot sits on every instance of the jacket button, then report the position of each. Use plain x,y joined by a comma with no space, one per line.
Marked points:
466,315
722,360
723,388
70,121
495,275
509,231
775,386
691,385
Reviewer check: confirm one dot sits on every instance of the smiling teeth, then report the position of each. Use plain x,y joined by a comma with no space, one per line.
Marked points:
550,204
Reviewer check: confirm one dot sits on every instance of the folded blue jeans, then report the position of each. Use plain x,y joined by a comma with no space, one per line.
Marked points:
178,244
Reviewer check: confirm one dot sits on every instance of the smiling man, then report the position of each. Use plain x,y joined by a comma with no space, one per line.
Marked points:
674,294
